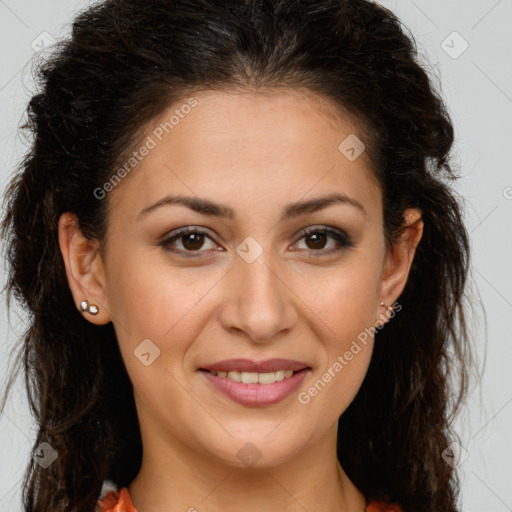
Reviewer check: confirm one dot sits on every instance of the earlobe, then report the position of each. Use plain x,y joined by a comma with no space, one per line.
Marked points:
400,257
84,270
92,309
386,315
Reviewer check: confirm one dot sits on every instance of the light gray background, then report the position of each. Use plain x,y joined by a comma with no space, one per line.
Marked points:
477,86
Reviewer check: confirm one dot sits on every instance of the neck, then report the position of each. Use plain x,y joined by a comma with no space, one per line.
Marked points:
174,477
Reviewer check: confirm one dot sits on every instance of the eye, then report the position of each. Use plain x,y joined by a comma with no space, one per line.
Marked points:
190,239
316,239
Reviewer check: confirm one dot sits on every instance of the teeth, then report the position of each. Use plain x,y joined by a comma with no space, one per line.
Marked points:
249,377
236,376
265,378
279,375
255,378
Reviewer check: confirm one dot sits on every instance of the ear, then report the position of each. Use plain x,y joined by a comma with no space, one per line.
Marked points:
399,259
84,268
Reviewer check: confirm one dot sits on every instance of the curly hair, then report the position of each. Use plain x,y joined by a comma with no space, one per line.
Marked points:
124,63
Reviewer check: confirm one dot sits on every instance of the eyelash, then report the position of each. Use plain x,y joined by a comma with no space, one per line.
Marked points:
342,239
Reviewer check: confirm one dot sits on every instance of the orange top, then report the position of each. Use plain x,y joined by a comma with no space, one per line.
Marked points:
119,501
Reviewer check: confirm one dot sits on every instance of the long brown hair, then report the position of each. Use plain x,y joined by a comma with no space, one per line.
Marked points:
126,61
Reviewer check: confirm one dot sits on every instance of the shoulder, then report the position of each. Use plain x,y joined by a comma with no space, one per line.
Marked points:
114,499
382,506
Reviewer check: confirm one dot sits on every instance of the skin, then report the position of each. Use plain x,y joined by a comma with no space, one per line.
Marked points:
255,153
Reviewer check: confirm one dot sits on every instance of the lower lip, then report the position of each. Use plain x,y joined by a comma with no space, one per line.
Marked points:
256,394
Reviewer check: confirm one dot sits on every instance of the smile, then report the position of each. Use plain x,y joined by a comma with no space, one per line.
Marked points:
256,389
253,377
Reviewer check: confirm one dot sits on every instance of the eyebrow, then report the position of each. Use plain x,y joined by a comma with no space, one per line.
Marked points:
207,207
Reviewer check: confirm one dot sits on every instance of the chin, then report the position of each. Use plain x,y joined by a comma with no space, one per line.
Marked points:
258,450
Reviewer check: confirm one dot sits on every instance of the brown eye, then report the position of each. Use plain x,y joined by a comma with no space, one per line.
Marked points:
316,240
188,240
192,241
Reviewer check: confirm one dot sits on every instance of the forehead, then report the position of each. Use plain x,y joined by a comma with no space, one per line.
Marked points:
273,118
235,145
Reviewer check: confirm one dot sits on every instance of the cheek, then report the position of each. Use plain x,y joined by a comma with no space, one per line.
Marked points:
344,299
346,305
151,298
159,303
350,314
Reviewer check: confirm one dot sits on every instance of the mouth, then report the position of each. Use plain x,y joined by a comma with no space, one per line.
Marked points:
253,377
256,383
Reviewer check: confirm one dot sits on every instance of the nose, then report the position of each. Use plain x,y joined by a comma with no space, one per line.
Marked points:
258,302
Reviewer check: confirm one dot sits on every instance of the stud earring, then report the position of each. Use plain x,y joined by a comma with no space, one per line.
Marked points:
90,308
389,308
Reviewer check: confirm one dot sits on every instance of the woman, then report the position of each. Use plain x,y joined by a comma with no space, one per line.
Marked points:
244,265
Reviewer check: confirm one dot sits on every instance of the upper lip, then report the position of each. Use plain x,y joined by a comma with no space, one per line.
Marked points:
246,365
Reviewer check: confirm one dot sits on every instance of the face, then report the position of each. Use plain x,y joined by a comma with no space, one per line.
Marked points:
288,263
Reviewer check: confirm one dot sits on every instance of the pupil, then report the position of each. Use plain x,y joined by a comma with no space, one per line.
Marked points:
316,239
194,238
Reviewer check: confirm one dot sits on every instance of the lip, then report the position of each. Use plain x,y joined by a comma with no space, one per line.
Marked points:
257,395
246,365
